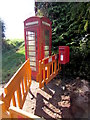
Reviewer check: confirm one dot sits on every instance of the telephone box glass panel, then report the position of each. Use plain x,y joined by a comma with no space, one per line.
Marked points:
32,53
31,42
32,58
46,53
31,48
46,47
33,63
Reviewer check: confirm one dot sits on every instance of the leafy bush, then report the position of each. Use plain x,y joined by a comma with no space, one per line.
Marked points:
71,26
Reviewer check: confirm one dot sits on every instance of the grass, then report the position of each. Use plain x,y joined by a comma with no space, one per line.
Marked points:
12,59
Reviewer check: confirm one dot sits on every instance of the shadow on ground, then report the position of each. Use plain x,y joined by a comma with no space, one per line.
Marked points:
63,99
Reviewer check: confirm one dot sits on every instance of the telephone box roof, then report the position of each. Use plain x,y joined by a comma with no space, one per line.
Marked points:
37,18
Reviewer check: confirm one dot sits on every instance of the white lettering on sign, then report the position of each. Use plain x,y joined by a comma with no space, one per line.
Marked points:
55,57
50,60
61,57
45,23
31,23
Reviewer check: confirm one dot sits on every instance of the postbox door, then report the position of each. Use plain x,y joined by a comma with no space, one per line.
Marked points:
64,54
31,48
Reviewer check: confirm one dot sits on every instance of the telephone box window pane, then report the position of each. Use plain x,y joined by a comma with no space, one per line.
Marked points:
46,47
33,68
31,33
31,47
46,37
31,43
32,53
46,53
33,63
31,37
26,33
32,58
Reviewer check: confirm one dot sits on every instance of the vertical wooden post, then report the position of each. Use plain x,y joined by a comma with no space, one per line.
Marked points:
19,97
40,73
44,74
29,76
25,82
58,64
22,87
55,67
52,67
13,100
48,71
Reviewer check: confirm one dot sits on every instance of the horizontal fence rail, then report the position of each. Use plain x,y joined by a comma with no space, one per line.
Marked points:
48,69
20,114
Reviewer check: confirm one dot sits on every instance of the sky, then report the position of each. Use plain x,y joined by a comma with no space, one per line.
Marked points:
13,13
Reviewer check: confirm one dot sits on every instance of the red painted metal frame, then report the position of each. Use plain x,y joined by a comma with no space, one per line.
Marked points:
40,29
64,51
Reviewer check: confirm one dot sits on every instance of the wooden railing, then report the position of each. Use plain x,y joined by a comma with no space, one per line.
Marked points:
17,88
15,92
20,114
48,69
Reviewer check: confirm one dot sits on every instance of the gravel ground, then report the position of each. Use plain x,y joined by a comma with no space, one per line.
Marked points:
59,99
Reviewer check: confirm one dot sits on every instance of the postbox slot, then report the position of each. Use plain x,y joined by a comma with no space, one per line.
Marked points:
62,48
62,53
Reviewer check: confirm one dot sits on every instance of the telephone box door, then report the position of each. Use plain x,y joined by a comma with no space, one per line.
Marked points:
31,49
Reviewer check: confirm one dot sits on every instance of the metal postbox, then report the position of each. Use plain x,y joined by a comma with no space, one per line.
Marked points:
37,33
64,54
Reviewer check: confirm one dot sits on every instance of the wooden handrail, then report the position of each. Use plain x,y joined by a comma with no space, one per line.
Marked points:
18,113
17,88
15,92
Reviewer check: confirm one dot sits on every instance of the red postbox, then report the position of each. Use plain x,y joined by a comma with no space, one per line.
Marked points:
64,54
37,32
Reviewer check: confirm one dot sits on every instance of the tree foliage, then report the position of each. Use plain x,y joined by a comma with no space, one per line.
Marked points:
2,25
70,26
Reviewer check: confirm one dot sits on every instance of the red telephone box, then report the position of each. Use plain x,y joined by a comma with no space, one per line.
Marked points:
64,54
37,32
